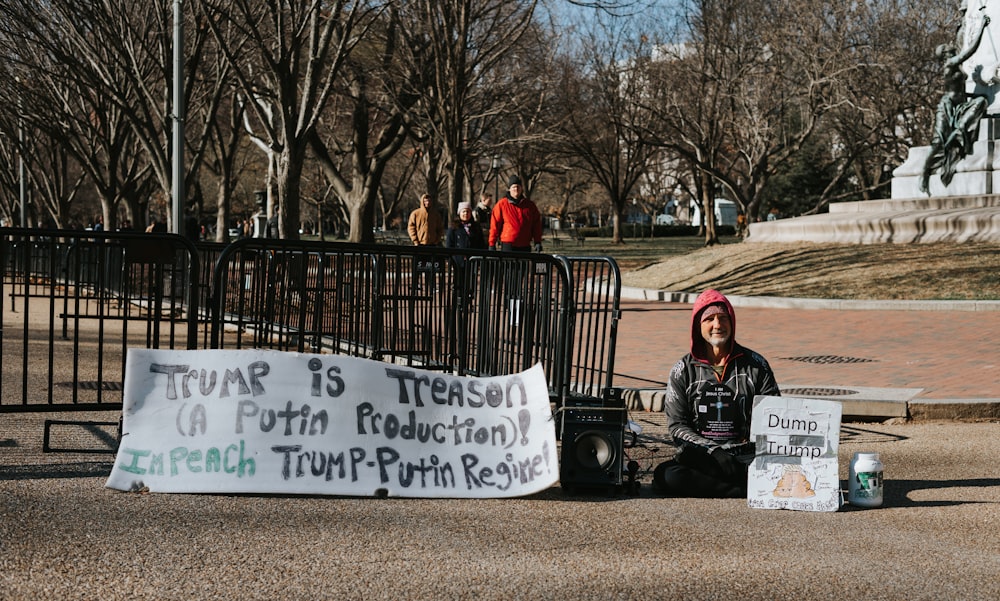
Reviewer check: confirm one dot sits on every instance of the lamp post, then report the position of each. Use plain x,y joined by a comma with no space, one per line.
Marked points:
22,184
177,161
495,167
260,217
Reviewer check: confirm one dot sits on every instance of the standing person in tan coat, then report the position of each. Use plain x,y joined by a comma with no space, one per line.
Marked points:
426,225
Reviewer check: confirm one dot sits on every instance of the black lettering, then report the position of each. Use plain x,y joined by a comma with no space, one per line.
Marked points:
245,409
169,371
477,400
385,457
286,462
403,376
516,382
439,386
233,377
258,369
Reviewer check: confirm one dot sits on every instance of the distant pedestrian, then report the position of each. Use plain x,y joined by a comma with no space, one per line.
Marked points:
465,232
515,222
481,214
426,225
156,226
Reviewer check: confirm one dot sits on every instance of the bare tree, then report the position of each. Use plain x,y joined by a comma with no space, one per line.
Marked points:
462,44
117,53
366,124
887,103
225,138
293,54
29,158
606,115
752,82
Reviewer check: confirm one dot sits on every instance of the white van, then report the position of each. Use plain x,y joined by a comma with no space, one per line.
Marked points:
725,213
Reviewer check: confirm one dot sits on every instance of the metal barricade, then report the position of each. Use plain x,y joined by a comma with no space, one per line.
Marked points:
597,288
79,300
433,308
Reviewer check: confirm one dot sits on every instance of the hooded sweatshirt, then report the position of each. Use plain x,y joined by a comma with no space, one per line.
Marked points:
707,409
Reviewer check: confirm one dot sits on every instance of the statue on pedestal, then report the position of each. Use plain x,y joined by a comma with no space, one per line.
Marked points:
958,114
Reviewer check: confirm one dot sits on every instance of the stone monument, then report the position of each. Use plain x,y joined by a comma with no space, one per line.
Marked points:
961,161
948,191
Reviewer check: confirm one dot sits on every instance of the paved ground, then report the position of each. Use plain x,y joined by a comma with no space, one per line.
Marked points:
64,536
944,353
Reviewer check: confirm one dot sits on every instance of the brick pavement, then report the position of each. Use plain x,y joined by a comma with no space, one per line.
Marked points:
947,353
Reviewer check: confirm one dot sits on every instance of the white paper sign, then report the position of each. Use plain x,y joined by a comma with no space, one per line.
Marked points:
257,421
796,454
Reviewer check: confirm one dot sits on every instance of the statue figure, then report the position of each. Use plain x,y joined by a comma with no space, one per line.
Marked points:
958,114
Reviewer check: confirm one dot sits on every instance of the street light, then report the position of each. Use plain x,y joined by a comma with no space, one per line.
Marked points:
22,182
177,138
495,167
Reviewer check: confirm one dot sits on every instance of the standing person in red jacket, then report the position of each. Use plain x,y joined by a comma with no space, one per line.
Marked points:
515,222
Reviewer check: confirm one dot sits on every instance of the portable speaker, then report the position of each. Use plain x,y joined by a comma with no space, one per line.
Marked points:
592,448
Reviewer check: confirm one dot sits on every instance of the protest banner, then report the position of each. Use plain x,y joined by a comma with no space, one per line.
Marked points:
259,421
795,466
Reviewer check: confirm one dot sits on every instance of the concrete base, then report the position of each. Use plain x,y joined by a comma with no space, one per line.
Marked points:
955,410
975,175
859,403
857,400
967,210
902,221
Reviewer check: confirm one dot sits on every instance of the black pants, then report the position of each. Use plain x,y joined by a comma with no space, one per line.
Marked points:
693,473
508,247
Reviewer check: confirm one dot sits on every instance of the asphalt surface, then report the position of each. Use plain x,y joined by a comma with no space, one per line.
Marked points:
63,535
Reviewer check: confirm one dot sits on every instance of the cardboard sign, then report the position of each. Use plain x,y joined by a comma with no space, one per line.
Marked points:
257,421
795,466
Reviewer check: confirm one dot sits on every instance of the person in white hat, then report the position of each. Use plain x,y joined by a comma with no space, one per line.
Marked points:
464,232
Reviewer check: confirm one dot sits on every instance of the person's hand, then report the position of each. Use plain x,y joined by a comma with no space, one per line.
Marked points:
538,247
728,463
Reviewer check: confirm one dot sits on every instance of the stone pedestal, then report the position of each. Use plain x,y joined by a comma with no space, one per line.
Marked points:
975,175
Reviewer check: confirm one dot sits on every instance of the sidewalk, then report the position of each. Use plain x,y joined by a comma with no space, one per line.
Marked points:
931,364
63,535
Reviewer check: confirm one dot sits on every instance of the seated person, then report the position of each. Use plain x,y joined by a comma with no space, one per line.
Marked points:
709,399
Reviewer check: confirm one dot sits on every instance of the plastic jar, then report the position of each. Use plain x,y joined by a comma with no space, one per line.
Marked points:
864,484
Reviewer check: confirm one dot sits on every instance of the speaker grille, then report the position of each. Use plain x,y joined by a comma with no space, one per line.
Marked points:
594,450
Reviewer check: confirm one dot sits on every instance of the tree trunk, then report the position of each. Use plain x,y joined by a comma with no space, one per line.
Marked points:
708,209
289,185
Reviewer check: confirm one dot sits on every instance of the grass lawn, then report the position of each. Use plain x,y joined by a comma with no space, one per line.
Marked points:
634,253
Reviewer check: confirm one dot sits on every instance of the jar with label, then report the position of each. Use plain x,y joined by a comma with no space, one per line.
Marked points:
864,484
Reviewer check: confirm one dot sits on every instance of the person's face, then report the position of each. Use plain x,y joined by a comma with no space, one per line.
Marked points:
716,329
425,203
515,190
465,214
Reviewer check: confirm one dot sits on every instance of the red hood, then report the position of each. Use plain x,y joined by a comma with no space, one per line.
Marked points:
706,298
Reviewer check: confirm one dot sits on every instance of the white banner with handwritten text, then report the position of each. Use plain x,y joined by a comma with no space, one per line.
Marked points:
257,421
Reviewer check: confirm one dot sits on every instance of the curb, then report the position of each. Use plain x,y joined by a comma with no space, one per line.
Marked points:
651,400
954,409
777,302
